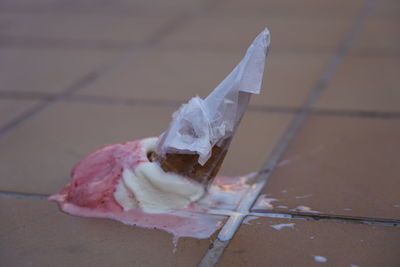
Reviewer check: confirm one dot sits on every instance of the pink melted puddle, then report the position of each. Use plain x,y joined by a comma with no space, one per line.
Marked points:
90,194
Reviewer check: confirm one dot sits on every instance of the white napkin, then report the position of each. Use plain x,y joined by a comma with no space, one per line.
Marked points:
200,124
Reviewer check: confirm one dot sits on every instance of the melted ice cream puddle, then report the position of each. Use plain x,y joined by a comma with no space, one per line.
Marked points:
141,198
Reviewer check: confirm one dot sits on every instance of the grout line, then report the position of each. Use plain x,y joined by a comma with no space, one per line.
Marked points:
110,100
256,212
10,42
94,75
327,217
22,195
234,222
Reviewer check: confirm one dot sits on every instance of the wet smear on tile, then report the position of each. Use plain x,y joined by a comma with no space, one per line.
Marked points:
304,196
320,259
302,208
282,225
265,203
248,219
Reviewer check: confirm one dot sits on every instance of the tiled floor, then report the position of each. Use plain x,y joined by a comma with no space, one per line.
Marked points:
75,75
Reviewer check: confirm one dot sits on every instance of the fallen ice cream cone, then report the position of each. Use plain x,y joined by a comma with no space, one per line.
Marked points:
198,138
154,182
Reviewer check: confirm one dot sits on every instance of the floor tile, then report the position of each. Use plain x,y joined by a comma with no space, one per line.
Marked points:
287,33
83,27
37,156
340,244
166,74
101,7
312,8
387,9
47,70
338,165
364,83
36,233
10,109
379,35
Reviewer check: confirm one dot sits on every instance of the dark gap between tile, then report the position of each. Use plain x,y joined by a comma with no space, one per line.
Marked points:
326,217
232,225
17,195
93,76
9,41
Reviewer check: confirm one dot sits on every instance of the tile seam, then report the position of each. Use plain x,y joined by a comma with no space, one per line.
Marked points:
115,101
258,213
94,75
233,222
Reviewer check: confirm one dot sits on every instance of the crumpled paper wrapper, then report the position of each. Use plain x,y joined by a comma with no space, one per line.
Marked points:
201,123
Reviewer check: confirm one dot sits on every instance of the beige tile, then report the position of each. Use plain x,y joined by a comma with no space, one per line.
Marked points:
47,70
341,244
166,74
10,109
37,156
339,165
36,233
364,83
287,33
379,35
91,27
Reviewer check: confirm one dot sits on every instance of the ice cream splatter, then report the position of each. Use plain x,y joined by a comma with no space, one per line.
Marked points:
347,209
304,196
396,206
302,208
248,219
312,237
353,265
264,203
320,259
284,191
282,225
281,207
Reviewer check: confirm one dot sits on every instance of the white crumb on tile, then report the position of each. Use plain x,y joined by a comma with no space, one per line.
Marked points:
320,259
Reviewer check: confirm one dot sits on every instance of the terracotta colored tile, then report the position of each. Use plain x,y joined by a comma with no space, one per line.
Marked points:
36,233
341,165
46,70
379,35
287,33
364,83
84,26
341,244
37,156
166,74
10,109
